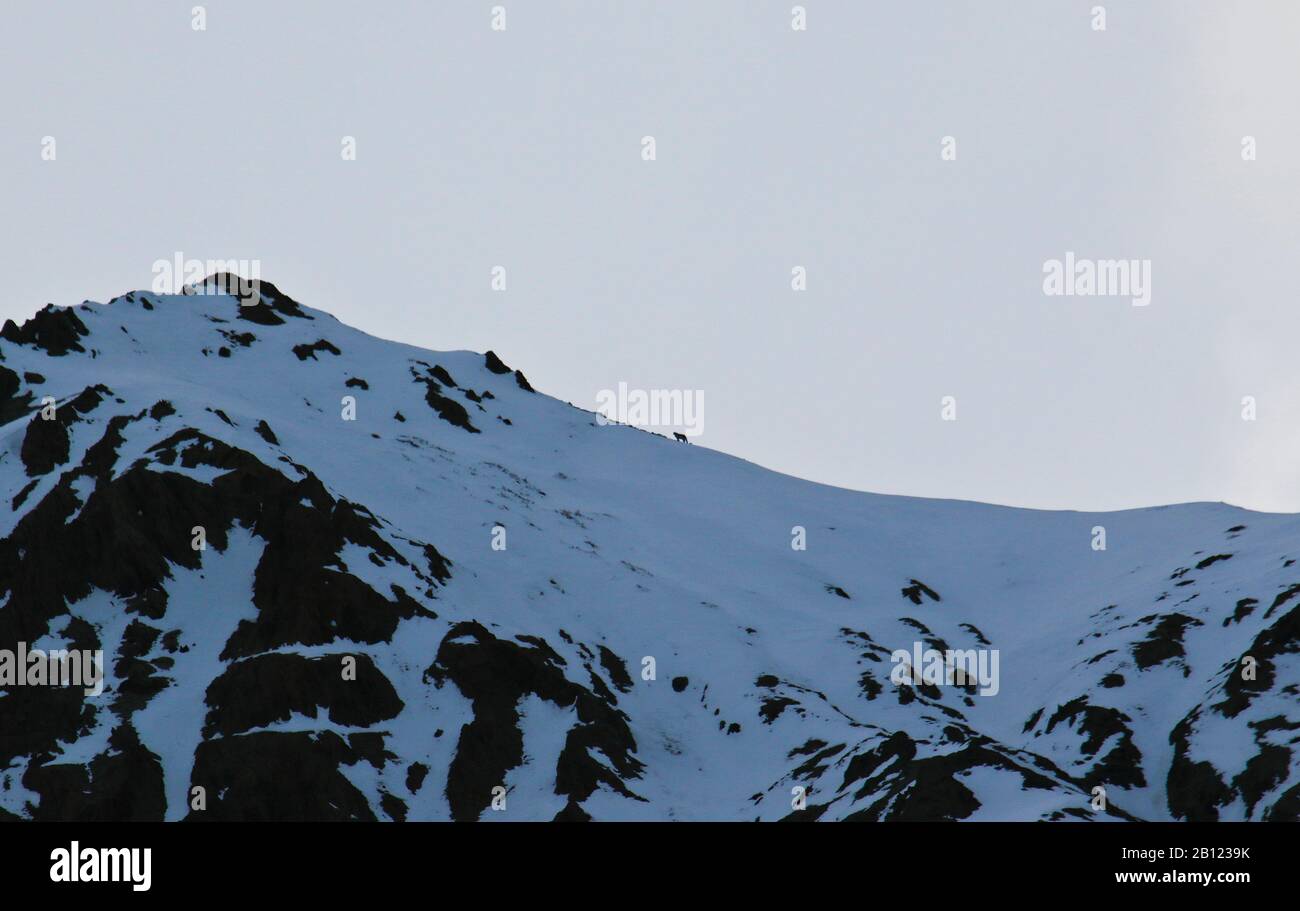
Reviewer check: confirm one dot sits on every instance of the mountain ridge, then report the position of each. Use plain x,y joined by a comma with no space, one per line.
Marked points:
371,538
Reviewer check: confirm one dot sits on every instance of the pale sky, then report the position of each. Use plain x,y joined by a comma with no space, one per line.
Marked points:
775,148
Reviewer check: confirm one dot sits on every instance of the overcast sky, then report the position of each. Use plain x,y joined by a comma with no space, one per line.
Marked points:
774,148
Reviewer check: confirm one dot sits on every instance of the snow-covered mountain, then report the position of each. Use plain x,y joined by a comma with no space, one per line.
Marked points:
472,586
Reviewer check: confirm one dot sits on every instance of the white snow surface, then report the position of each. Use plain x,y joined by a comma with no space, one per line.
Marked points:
672,552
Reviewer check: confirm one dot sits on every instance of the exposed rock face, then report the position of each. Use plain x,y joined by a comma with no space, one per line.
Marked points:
332,581
52,330
496,675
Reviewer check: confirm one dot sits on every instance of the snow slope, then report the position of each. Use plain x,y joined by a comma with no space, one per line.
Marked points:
647,645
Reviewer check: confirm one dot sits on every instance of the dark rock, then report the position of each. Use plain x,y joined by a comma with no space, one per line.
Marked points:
495,674
914,592
616,668
262,690
54,330
309,351
449,410
264,431
415,776
274,776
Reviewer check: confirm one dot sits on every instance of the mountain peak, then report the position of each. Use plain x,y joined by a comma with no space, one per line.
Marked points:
331,576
